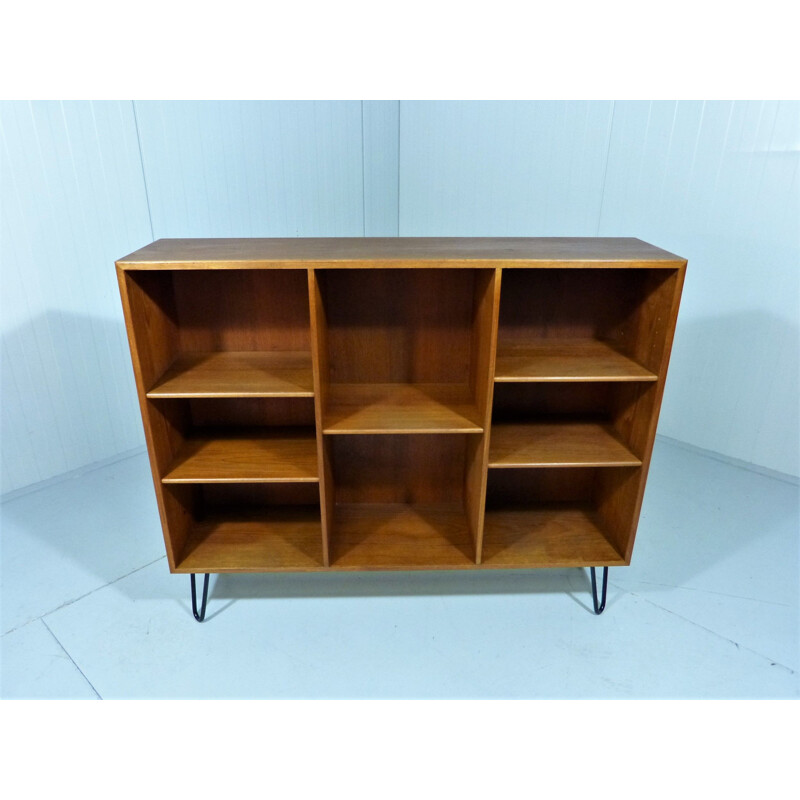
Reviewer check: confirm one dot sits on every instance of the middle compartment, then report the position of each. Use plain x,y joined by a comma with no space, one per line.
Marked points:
399,501
404,350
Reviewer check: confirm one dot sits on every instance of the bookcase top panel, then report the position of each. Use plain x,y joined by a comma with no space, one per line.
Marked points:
405,252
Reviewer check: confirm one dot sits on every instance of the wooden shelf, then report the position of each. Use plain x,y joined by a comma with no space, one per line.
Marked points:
557,536
251,456
557,444
401,408
280,538
398,536
237,374
566,360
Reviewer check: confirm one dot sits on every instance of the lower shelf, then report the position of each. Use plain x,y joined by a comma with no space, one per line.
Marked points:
552,536
398,536
284,538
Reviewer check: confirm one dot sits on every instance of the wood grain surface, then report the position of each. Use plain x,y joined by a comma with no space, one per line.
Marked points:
237,374
557,444
249,456
422,252
567,360
401,408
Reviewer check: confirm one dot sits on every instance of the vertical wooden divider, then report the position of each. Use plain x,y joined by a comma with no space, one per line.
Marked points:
484,350
320,369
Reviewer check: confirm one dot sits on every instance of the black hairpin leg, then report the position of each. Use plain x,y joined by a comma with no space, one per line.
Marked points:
202,615
598,609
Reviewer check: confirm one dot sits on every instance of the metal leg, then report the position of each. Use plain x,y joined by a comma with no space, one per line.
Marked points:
598,609
202,615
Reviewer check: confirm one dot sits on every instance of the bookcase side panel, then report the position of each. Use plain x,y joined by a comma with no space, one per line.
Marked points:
148,306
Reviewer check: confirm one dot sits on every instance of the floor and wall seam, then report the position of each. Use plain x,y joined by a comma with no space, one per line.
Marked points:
86,594
736,644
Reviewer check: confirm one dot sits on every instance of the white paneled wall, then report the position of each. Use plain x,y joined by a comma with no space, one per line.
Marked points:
502,168
381,167
84,183
72,200
253,168
718,183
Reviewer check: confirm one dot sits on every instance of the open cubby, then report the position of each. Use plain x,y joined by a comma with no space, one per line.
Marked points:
553,517
246,527
580,324
401,353
567,424
343,404
237,333
399,502
238,440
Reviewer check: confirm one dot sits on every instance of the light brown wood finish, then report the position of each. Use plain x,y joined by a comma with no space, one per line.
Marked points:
401,408
567,536
405,252
401,536
281,538
240,310
254,456
557,444
232,374
401,336
484,346
398,326
152,338
400,468
567,360
321,378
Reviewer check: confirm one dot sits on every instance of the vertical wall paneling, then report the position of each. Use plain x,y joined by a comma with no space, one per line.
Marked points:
72,201
502,168
718,183
253,168
381,121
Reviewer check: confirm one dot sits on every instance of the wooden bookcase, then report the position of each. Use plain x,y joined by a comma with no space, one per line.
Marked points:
355,404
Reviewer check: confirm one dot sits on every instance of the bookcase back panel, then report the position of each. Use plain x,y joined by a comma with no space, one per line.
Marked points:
251,412
403,468
526,487
242,310
515,402
214,498
398,326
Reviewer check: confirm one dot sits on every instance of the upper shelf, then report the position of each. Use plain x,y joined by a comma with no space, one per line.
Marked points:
557,444
551,360
237,374
401,408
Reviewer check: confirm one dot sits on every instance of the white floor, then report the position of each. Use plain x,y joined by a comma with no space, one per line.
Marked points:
708,609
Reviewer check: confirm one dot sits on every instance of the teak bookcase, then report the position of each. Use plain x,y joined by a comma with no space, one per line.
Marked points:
355,404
